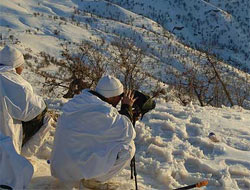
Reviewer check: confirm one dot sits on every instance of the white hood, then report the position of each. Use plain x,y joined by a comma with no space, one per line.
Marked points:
10,56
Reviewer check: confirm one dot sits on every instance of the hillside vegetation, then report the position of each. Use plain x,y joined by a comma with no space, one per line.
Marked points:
176,38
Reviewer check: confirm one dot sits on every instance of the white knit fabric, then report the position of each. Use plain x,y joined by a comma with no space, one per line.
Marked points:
10,56
109,86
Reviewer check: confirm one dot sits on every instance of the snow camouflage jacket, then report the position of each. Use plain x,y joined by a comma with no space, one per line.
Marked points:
89,135
17,103
15,171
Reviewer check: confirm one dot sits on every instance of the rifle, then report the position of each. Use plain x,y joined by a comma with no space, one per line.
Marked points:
5,187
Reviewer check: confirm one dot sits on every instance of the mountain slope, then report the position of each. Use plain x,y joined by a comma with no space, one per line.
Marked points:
223,30
173,148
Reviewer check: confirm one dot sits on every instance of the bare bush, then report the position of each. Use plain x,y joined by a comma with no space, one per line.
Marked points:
129,63
190,84
80,67
239,87
218,77
210,82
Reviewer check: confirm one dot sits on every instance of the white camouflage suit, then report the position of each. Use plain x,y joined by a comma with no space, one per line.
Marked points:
18,102
92,140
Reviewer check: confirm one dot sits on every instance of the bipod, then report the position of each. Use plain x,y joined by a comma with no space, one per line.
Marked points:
143,104
200,184
133,172
132,165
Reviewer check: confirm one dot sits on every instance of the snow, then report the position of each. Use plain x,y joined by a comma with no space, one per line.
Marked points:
173,147
204,25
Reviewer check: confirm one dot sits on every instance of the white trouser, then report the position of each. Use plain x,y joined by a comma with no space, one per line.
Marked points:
32,146
15,171
124,157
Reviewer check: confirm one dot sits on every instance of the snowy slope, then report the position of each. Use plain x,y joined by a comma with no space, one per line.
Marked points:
173,148
221,27
32,24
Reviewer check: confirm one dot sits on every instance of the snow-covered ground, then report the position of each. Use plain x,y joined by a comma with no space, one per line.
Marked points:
173,149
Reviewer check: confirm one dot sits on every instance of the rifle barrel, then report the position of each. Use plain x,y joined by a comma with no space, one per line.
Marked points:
200,184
